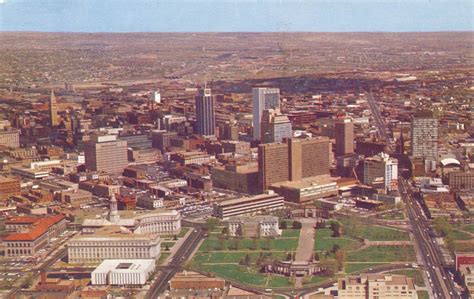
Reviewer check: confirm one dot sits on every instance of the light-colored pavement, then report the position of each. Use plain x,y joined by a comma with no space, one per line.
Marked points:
306,242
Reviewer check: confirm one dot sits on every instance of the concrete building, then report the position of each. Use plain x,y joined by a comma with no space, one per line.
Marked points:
424,136
381,170
186,280
123,272
162,139
256,226
247,205
10,138
53,110
292,160
344,133
263,98
9,186
459,180
136,141
106,153
378,286
274,126
238,178
113,242
205,118
307,189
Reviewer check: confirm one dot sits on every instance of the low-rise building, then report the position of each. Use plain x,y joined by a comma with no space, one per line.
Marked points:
31,234
248,205
257,226
9,186
376,286
307,189
123,272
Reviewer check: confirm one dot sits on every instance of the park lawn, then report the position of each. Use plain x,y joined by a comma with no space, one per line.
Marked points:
460,235
316,279
276,281
423,295
162,258
183,232
169,244
416,274
398,215
213,244
469,228
358,267
382,254
231,257
463,247
374,232
238,273
290,233
324,242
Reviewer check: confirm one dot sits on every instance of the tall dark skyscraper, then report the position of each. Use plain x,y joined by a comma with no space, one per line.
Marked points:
206,121
344,131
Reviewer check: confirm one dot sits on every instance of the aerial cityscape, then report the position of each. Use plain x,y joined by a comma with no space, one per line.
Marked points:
234,163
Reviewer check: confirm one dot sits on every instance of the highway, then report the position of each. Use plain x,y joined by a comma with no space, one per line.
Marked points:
182,254
440,282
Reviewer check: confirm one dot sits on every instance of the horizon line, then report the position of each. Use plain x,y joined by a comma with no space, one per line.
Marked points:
253,32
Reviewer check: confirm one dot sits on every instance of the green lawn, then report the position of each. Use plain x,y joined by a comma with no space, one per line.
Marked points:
373,232
230,257
169,244
382,254
237,273
162,257
397,215
416,274
469,228
356,267
213,244
459,235
324,241
183,232
290,233
423,295
278,282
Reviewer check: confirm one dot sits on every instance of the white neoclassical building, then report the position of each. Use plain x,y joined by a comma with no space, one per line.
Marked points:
257,226
164,222
113,242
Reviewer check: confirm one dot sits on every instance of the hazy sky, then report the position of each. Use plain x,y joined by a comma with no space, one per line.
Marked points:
235,15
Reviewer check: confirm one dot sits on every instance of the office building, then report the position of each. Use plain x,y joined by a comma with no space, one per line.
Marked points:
113,242
344,131
263,98
274,126
238,178
460,180
381,286
136,141
123,272
292,160
10,138
53,110
424,136
205,118
162,139
306,190
9,186
381,171
106,153
247,205
31,234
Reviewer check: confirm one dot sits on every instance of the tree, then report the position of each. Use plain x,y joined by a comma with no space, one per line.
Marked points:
175,237
267,244
329,266
340,259
283,225
442,226
254,245
316,256
335,248
220,243
27,282
211,223
336,229
297,225
247,260
167,248
288,257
